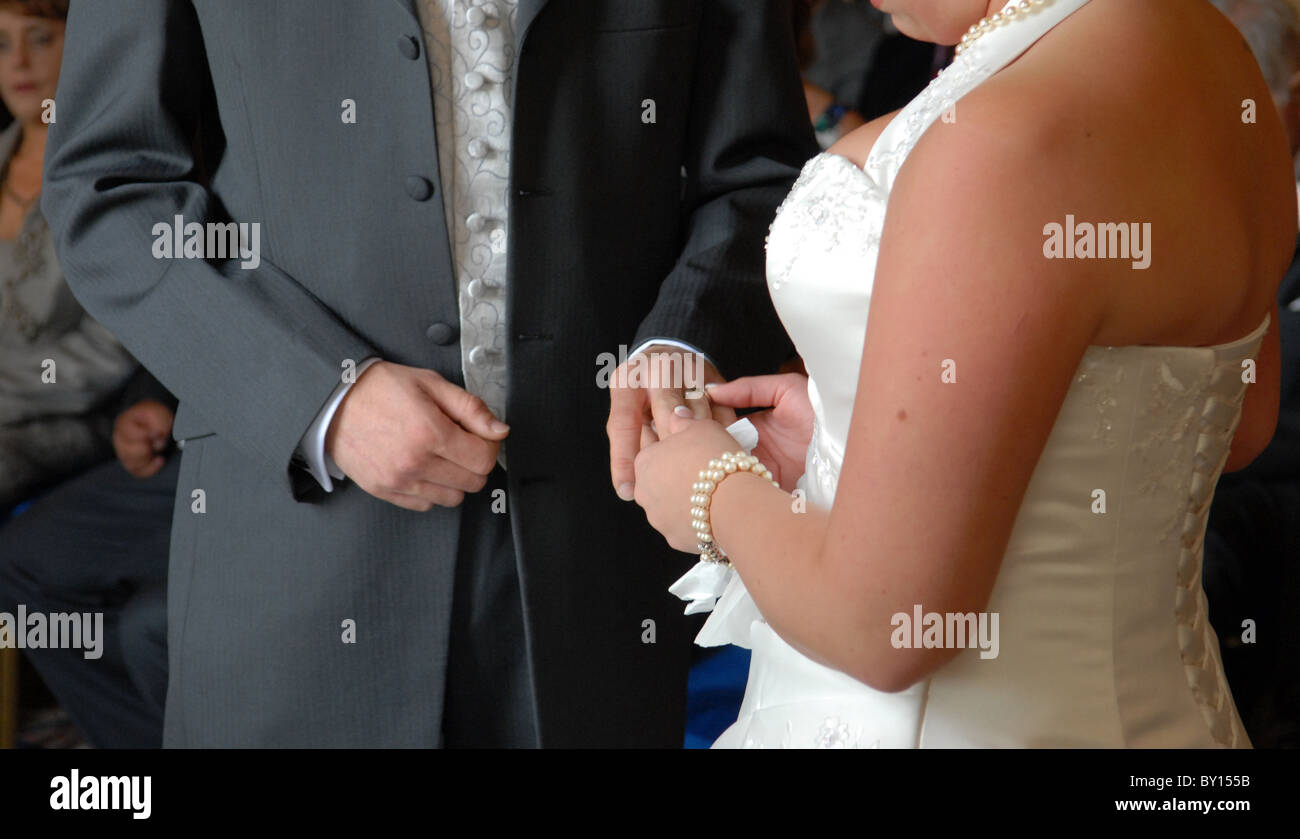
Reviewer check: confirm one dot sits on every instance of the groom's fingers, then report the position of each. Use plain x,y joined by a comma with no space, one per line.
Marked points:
398,435
664,402
443,484
446,474
406,502
424,497
678,422
724,415
462,448
471,412
625,428
463,429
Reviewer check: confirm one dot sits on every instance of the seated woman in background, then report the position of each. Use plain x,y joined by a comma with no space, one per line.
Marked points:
60,367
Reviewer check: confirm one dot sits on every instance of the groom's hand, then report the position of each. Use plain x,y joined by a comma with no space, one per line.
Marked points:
644,395
414,439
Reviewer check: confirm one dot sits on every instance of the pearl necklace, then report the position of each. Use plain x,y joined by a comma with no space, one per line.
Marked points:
1011,14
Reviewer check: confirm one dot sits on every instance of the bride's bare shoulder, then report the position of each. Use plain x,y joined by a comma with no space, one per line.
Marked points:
1145,136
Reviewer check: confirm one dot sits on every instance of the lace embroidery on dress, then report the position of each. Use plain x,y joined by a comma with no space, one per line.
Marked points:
1173,409
1099,378
940,97
833,733
816,216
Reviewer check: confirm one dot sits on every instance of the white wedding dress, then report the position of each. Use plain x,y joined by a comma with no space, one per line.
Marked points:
1104,639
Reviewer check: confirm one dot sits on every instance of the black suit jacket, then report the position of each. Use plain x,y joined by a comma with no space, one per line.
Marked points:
608,246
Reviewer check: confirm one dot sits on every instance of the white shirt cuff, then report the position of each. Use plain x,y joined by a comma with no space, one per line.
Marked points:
681,345
312,445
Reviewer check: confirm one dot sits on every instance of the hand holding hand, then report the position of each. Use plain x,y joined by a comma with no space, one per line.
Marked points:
642,391
414,439
667,470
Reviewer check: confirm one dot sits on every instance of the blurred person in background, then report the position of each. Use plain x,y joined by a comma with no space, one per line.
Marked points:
835,60
60,367
98,543
842,39
856,65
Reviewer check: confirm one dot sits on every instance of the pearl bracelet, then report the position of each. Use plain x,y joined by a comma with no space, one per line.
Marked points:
702,496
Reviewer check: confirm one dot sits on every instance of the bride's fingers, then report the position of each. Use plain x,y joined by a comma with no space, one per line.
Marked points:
648,436
754,391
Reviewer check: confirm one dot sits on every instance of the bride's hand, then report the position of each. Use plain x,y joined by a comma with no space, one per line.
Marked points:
667,469
785,430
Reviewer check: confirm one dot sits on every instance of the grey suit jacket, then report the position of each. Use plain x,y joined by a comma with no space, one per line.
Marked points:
608,245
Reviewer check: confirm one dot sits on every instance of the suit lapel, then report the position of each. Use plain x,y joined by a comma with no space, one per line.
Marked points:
528,11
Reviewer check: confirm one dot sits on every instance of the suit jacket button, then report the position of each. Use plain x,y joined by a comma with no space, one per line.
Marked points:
419,188
409,46
441,333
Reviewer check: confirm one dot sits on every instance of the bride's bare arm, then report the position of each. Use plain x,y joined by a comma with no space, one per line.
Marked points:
934,471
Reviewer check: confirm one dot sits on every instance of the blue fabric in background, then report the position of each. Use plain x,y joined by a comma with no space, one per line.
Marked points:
5,515
714,690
